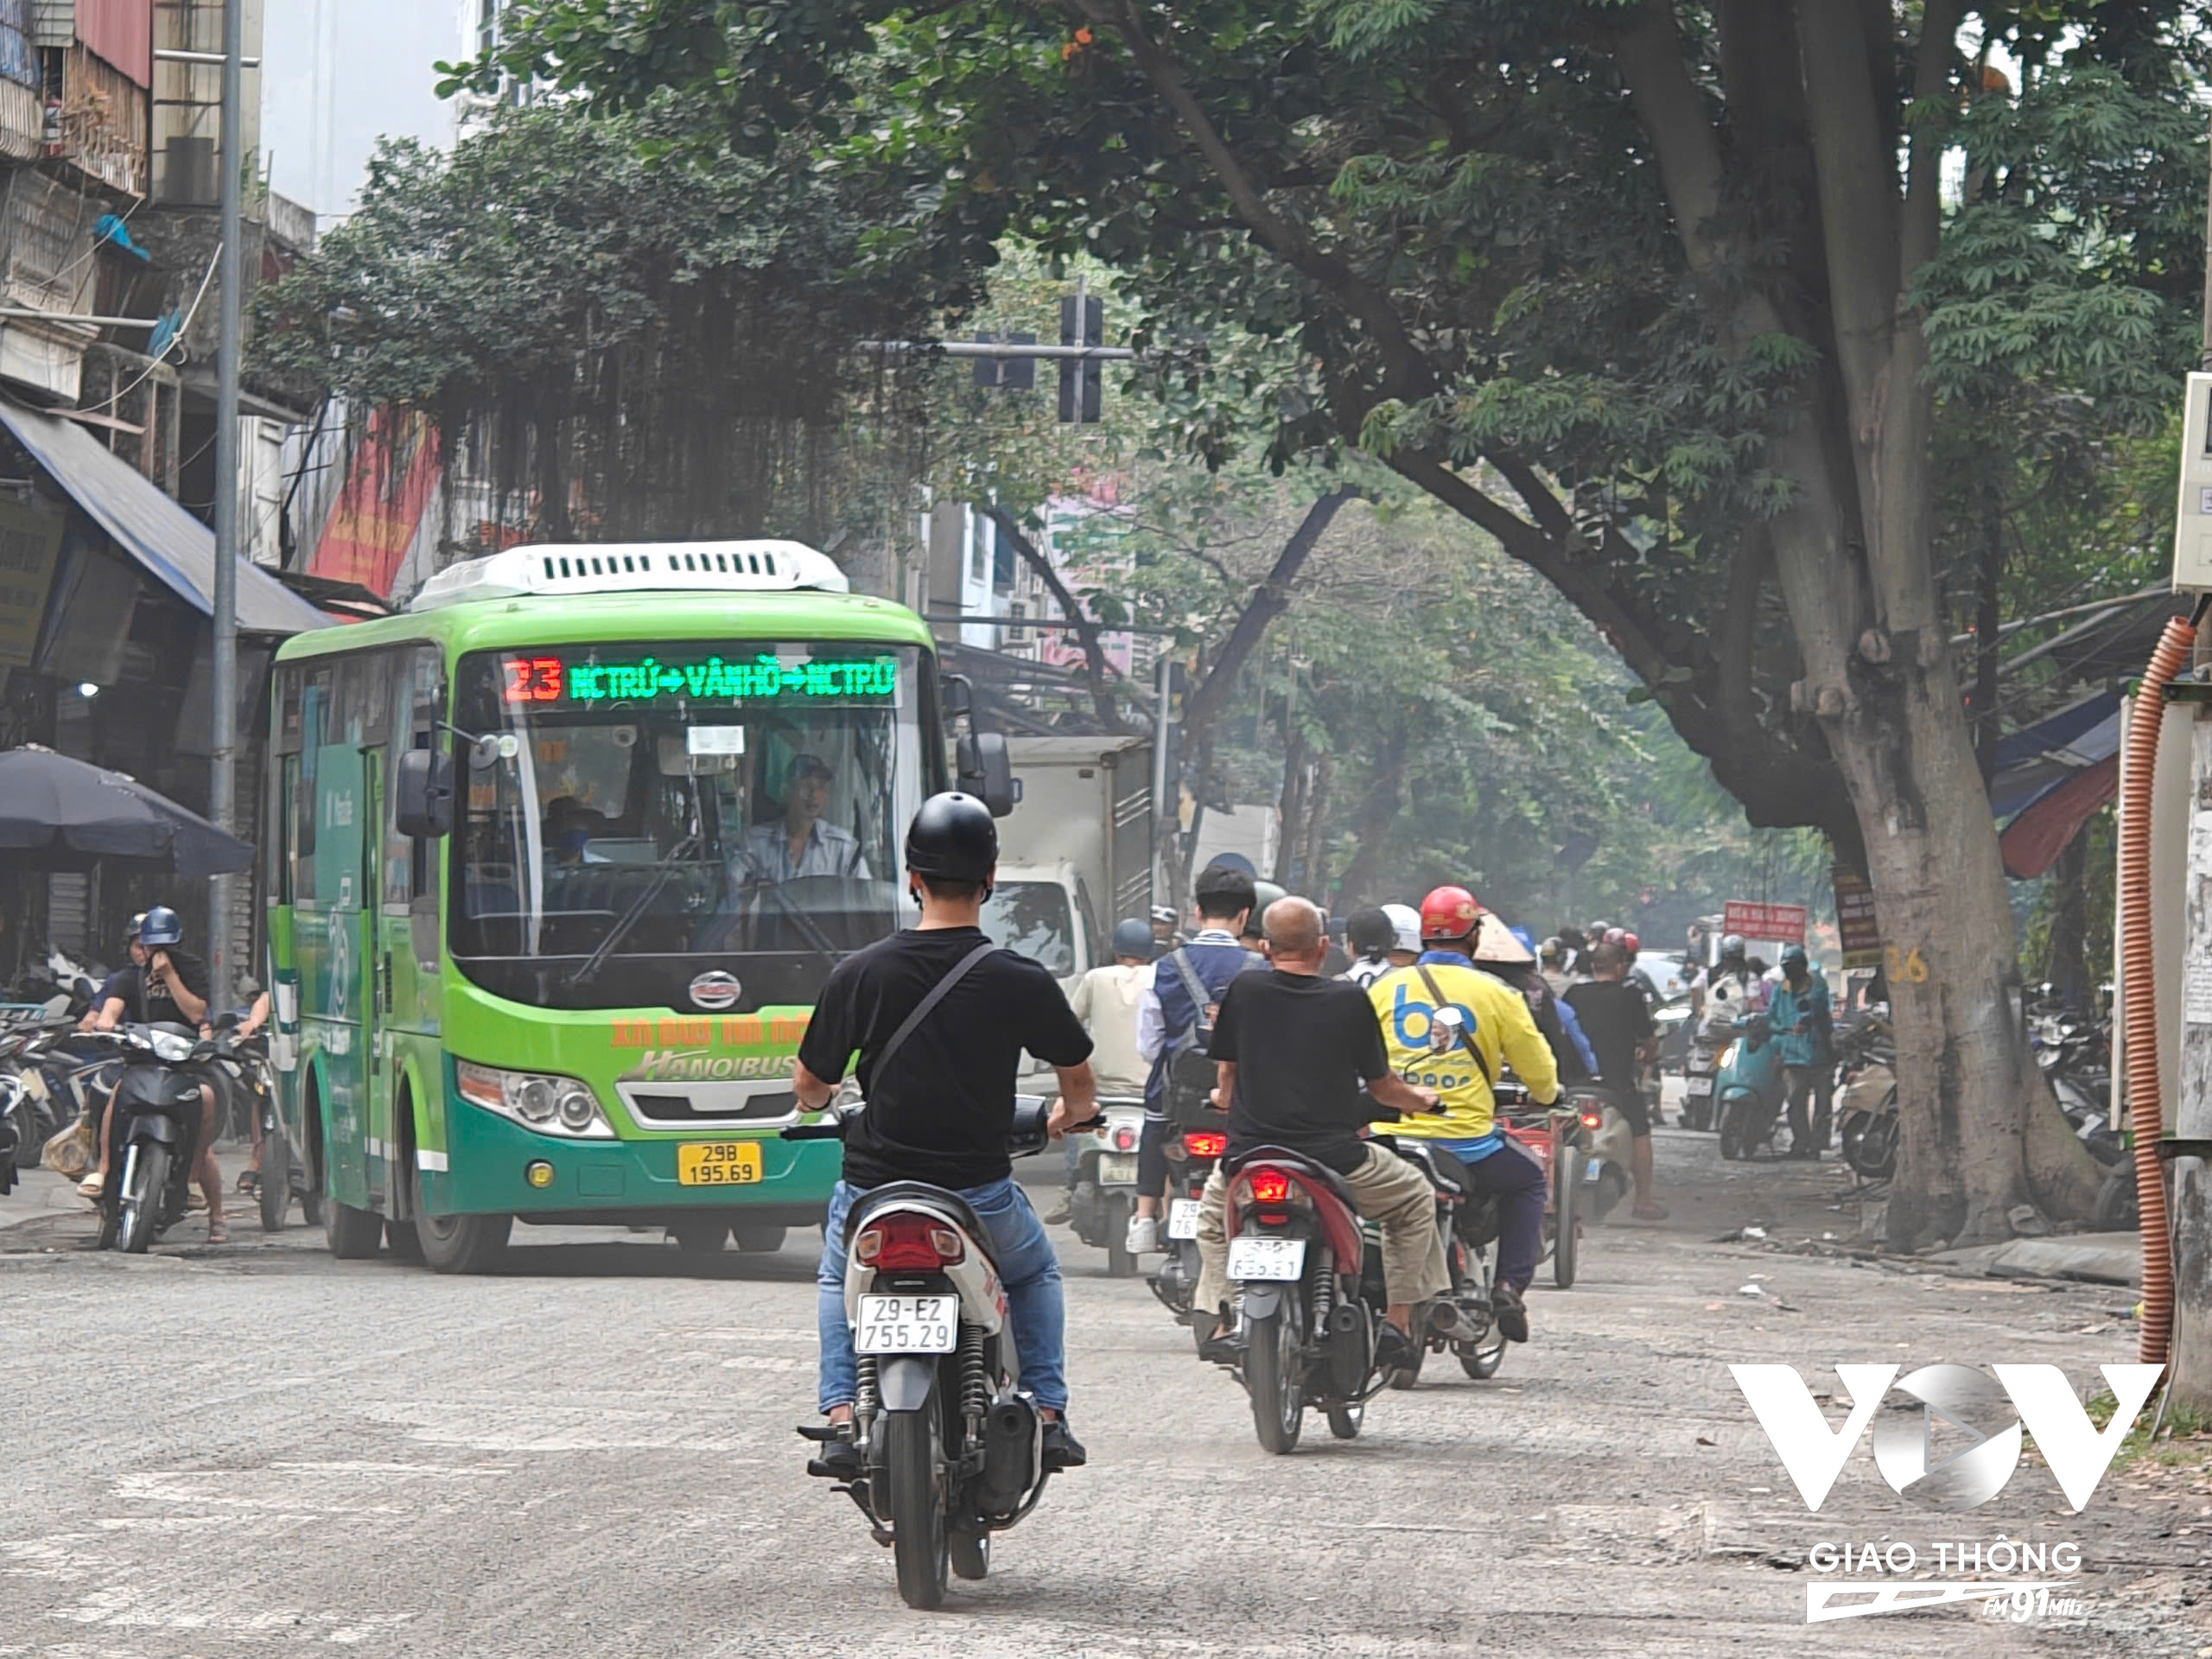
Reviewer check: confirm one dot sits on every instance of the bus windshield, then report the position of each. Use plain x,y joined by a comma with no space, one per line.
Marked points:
666,810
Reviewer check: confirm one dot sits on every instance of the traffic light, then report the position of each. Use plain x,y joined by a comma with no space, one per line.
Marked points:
1080,371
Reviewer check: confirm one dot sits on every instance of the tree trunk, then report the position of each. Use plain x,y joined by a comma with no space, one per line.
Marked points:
2066,945
1371,823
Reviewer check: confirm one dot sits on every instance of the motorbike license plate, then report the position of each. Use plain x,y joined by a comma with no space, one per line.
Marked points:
908,1324
1699,1086
1265,1258
718,1163
1183,1218
1117,1169
1591,1171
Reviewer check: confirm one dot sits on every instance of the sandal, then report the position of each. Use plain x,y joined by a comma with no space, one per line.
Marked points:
92,1185
218,1233
249,1183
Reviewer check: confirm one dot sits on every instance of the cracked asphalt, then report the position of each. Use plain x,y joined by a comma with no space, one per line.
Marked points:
256,1448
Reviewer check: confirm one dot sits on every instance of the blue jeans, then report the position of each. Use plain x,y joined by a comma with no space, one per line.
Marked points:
1027,1267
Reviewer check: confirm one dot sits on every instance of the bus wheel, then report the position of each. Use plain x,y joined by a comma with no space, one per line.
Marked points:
460,1243
757,1238
699,1237
353,1233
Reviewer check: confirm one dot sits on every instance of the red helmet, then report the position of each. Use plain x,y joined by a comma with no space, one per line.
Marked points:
1630,943
1448,914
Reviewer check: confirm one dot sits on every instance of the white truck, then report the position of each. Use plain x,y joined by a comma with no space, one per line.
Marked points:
1074,856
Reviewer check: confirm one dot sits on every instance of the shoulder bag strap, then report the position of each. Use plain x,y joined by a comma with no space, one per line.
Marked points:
1466,1037
937,994
1192,983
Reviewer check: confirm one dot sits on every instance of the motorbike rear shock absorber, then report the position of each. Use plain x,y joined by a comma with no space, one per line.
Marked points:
867,1401
975,1382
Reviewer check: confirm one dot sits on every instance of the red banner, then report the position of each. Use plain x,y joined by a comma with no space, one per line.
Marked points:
1784,924
372,524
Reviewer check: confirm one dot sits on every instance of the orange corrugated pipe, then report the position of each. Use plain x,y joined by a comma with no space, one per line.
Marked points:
2139,987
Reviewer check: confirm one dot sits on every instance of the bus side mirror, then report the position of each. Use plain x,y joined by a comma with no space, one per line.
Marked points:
986,772
422,793
957,695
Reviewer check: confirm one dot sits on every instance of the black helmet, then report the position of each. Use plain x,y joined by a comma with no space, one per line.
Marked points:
953,838
1133,937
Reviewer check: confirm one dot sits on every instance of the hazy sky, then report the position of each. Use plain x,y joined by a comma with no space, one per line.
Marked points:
336,75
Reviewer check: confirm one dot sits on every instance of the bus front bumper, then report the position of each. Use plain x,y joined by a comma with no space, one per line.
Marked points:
495,1167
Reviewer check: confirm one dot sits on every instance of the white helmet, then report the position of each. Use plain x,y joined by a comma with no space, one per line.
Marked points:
1405,922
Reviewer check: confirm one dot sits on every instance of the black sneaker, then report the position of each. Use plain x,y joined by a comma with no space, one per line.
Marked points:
838,1458
1394,1350
1062,1449
1512,1314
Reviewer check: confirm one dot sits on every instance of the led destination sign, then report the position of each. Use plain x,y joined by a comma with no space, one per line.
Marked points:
549,680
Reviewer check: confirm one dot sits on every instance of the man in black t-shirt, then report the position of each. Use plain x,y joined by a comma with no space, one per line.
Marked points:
1302,1066
940,1111
1618,1021
166,985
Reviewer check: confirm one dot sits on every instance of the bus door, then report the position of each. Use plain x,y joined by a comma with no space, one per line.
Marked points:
335,804
406,1004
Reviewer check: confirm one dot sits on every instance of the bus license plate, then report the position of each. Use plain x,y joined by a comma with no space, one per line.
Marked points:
908,1324
1183,1218
718,1163
1698,1086
1265,1258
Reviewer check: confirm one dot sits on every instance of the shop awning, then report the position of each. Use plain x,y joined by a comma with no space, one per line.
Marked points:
175,549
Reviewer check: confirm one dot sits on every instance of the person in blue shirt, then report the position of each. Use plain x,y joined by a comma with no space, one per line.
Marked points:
1804,1030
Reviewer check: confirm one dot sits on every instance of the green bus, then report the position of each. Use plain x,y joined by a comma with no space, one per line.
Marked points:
556,861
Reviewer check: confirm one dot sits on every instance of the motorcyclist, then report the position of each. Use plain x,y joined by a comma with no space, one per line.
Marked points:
1496,1029
1173,1011
1733,988
1552,958
1405,921
1619,1021
1105,999
1293,1050
940,1111
169,988
1804,1030
1370,935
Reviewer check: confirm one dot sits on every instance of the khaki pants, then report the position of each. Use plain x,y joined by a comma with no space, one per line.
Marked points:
1386,1190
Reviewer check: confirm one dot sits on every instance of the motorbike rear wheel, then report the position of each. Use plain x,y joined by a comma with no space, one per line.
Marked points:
142,1209
1119,1264
971,1554
917,1532
276,1181
1273,1368
1566,1189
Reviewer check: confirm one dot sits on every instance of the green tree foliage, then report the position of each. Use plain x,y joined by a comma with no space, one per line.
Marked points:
624,336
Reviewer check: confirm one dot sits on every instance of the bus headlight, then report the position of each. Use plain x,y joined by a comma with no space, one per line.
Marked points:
551,1105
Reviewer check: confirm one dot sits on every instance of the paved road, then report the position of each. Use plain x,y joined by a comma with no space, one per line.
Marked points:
591,1454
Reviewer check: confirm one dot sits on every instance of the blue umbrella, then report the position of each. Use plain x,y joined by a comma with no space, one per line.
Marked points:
60,813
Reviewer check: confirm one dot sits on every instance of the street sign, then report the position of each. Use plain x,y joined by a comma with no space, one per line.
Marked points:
1855,925
1784,924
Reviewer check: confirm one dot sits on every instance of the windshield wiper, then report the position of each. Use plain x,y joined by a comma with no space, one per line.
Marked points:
628,920
815,938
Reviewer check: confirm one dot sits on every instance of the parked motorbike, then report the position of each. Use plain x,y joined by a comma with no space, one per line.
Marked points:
1867,1099
155,1136
951,1451
1750,1088
1105,1192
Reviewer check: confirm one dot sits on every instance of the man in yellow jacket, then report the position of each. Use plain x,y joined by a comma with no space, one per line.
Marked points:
1461,1059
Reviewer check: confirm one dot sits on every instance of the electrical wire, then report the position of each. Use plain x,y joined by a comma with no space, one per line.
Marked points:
117,396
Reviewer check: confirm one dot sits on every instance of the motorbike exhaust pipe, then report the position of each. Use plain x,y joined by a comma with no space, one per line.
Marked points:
1010,1453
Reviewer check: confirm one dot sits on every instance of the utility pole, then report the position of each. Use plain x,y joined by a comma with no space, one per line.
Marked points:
223,679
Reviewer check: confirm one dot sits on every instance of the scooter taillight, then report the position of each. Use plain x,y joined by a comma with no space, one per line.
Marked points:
1270,1186
1205,1143
908,1243
1593,1119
